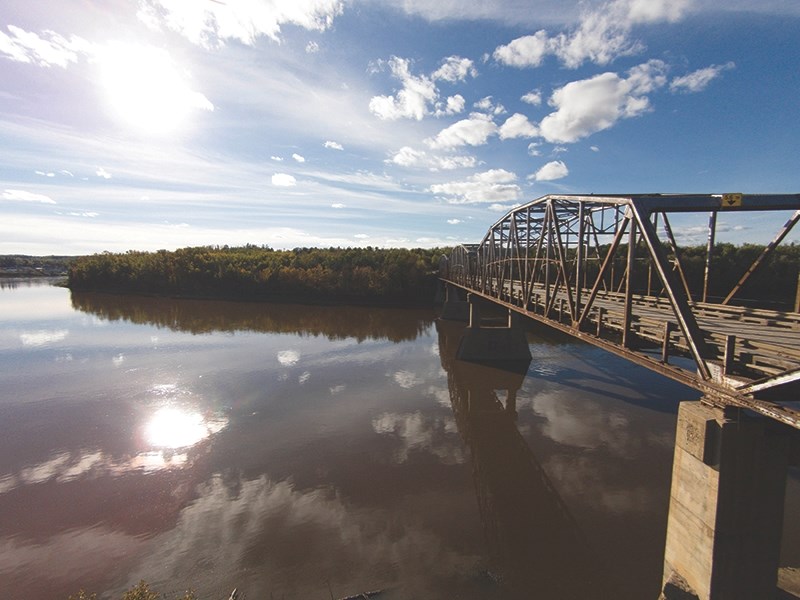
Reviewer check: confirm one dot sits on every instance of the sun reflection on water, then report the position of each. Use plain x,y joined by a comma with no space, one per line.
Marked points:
172,428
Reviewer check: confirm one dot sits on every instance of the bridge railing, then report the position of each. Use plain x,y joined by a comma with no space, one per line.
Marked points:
609,269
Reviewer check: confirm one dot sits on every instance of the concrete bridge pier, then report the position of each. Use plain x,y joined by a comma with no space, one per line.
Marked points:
726,507
454,308
492,344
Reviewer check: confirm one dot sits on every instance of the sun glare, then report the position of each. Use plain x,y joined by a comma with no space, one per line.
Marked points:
173,428
147,90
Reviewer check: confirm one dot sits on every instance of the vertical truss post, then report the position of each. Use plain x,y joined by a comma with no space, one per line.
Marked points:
564,275
650,263
579,260
797,296
712,233
680,303
626,322
548,254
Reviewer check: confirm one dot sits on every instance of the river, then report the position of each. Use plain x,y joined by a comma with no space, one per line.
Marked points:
320,452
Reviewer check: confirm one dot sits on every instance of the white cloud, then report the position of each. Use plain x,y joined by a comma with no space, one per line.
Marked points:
602,34
495,185
211,24
488,106
533,97
448,163
283,180
698,80
49,50
501,207
474,131
594,148
586,106
517,126
454,221
533,149
453,106
277,158
412,101
555,169
298,158
23,196
101,172
338,205
419,96
334,145
455,68
525,51
312,47
409,157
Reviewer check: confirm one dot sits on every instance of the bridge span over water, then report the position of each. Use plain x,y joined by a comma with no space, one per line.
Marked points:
608,270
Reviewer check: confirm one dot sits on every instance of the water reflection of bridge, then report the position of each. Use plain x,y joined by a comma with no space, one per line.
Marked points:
595,268
536,546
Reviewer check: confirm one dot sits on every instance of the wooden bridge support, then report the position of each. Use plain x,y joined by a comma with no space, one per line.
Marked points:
492,344
726,507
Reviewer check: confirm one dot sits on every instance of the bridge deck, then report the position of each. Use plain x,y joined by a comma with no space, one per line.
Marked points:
761,344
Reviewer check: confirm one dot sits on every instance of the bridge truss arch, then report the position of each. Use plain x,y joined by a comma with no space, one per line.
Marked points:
608,269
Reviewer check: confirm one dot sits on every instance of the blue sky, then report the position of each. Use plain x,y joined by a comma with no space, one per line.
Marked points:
170,123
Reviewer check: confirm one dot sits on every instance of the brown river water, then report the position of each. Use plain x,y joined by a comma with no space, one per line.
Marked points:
321,452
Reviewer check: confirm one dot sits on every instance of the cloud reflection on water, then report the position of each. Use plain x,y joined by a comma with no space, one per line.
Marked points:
258,530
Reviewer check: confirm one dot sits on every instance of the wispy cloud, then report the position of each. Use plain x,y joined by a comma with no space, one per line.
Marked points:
25,196
699,80
46,50
212,24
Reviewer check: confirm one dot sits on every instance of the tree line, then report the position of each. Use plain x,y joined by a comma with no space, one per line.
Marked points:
774,283
386,276
311,275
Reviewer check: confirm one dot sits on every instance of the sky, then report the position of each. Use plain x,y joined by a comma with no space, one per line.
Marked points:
150,124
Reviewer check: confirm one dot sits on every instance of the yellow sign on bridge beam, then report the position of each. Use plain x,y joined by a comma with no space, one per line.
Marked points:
731,200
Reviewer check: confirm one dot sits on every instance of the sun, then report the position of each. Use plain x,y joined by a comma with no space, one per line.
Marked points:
147,90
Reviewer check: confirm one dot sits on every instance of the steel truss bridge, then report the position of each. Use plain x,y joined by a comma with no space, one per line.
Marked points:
608,270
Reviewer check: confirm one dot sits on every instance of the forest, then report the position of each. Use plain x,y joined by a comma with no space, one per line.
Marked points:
399,277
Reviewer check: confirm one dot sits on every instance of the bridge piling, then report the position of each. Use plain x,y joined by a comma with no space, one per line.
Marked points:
726,507
492,344
454,307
